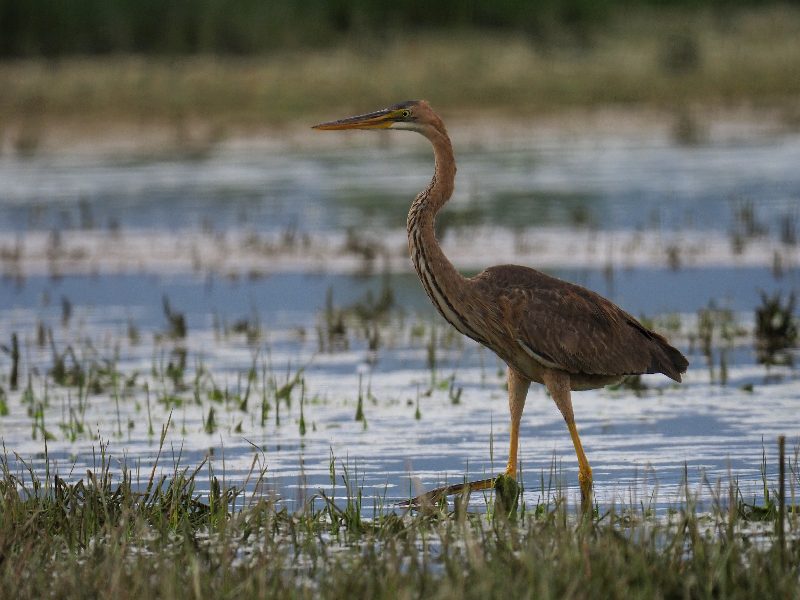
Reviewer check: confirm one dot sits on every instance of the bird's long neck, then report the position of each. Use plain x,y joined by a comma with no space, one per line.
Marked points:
444,285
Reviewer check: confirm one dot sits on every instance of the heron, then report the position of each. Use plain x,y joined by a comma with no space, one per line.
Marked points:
546,330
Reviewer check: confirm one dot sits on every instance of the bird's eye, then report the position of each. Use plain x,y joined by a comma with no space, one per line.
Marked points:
406,114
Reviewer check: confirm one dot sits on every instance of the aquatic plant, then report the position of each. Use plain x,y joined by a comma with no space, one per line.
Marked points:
176,322
13,353
776,329
190,530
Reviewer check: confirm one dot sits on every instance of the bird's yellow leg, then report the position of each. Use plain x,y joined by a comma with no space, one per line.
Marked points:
584,470
558,384
511,467
517,392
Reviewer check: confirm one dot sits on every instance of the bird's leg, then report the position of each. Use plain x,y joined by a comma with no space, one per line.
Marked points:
506,488
517,392
558,384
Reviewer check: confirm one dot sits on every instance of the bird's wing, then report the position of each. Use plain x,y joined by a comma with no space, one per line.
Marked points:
569,327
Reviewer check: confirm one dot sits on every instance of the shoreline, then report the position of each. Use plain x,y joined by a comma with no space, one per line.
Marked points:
468,128
246,253
685,72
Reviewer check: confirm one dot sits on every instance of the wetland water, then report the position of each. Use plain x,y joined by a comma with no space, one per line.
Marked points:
289,249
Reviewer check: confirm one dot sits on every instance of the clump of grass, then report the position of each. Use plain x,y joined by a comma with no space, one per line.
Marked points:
746,226
633,383
302,423
62,374
251,328
133,333
360,405
13,352
66,311
431,357
717,330
210,422
368,250
453,391
363,319
789,229
176,321
332,332
776,329
113,536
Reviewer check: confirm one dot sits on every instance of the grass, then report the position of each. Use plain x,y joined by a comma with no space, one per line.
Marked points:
670,60
161,537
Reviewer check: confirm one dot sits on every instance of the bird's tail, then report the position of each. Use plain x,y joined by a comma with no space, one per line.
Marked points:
669,361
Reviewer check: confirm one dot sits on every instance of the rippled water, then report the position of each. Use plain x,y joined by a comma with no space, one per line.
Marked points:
414,431
610,183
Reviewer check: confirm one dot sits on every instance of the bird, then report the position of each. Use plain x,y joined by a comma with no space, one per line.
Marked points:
546,330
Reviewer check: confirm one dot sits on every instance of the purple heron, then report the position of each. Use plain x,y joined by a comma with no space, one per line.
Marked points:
546,330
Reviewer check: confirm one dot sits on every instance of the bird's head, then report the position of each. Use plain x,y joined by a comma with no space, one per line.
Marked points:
412,115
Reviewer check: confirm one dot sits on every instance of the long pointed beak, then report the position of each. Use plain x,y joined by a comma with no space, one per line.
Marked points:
381,119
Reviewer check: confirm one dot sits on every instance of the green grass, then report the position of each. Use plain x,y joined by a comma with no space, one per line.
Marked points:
161,538
673,61
52,28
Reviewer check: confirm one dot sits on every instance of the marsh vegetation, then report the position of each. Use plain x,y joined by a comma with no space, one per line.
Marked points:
129,467
218,376
674,68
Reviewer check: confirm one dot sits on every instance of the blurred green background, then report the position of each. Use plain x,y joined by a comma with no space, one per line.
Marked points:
56,27
213,69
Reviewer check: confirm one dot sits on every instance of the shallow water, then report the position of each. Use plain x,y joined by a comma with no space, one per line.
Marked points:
415,435
632,441
610,183
288,299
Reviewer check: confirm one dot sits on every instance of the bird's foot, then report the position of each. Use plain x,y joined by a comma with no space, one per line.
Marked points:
432,497
506,499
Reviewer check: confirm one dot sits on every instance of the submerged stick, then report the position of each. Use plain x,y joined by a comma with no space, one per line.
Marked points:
14,352
433,496
781,496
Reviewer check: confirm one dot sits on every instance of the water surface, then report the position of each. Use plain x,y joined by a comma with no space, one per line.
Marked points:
424,425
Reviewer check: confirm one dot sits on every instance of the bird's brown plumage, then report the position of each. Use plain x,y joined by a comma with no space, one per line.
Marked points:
574,328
